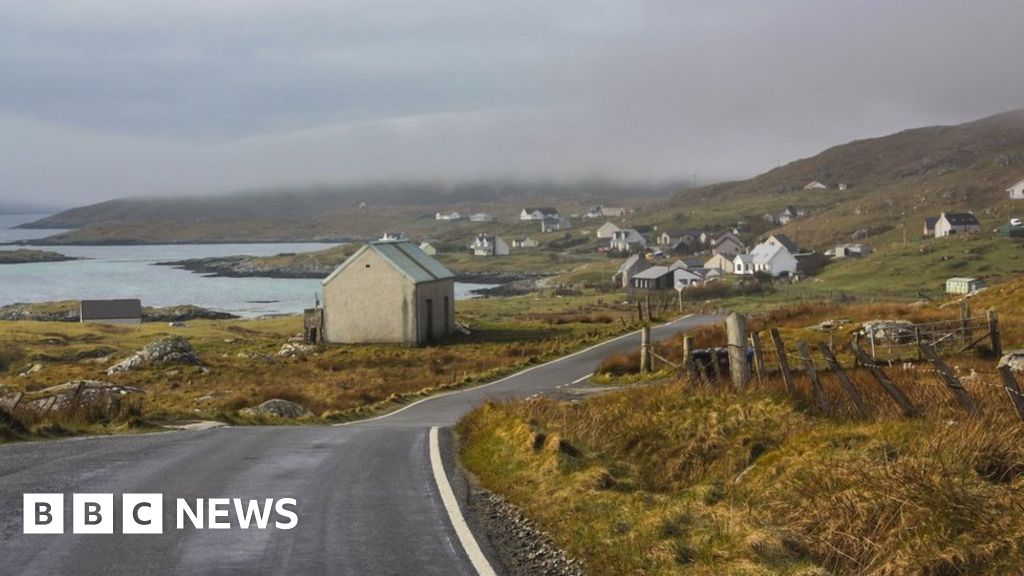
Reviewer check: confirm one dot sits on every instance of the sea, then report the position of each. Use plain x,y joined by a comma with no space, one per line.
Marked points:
131,272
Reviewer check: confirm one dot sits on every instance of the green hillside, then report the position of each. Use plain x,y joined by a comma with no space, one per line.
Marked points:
893,183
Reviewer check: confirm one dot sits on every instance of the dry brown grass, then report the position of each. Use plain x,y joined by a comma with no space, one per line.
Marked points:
699,479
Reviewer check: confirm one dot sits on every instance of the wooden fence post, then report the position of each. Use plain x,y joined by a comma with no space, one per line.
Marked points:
688,367
645,349
812,373
647,300
780,354
951,381
894,391
1012,390
755,343
844,379
965,321
739,367
993,333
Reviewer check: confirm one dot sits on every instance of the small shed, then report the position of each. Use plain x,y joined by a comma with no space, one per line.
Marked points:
126,311
961,285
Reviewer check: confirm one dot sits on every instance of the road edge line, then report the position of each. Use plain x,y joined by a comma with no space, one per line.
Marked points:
451,505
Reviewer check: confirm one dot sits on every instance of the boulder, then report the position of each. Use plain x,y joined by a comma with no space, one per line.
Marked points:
1014,359
296,350
277,408
899,331
169,350
31,370
93,391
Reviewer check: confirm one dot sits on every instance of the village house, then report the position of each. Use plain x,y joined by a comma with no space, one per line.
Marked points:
848,251
674,238
555,224
487,245
124,311
388,292
653,278
612,211
1016,191
530,213
626,240
774,256
963,285
393,237
951,223
676,276
721,262
606,230
428,249
815,185
448,216
929,226
481,217
524,243
633,265
728,244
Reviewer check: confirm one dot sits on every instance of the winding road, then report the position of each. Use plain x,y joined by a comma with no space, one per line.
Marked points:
373,497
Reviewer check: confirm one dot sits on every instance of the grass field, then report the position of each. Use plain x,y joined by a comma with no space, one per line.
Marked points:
241,369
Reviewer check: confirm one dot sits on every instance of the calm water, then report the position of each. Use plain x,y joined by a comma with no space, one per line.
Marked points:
129,272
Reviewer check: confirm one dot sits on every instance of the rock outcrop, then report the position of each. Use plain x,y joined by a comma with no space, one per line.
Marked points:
1014,359
166,351
277,408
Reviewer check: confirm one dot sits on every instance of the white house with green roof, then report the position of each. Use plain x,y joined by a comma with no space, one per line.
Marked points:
390,292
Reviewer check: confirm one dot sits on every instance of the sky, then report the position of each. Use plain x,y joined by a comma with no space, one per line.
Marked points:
114,98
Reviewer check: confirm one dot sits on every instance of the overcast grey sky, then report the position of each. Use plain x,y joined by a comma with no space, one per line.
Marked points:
111,98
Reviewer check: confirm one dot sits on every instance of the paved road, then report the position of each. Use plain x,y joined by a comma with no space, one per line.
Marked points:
368,502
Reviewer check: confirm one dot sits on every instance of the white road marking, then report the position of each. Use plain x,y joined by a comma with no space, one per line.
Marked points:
578,380
451,505
509,377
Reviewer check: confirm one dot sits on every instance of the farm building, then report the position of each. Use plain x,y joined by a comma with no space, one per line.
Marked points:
963,285
390,292
951,223
720,262
531,213
606,231
128,311
487,245
929,226
632,266
1016,191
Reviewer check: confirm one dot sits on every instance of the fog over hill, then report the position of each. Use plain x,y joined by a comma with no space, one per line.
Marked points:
104,100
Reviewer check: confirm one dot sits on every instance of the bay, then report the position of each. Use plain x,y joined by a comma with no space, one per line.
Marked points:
130,272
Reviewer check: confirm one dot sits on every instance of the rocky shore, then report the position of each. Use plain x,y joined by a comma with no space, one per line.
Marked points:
24,256
67,311
253,267
320,266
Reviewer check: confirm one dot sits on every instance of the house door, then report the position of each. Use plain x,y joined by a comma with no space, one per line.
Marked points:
430,319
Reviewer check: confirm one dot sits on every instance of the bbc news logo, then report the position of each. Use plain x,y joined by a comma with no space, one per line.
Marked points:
144,513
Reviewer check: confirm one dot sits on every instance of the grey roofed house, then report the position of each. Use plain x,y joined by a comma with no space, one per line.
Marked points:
388,292
785,241
126,311
961,218
633,265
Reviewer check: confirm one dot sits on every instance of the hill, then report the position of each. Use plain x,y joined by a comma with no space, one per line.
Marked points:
892,184
323,214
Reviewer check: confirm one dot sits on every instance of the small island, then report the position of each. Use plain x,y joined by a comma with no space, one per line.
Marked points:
26,256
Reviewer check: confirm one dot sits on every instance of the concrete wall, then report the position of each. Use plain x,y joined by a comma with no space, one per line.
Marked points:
436,292
371,301
113,321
